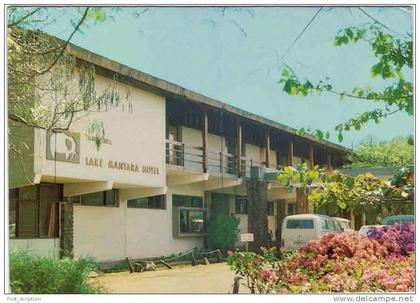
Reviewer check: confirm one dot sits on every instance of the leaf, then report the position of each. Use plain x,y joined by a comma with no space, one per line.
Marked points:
319,134
340,136
285,72
301,131
341,204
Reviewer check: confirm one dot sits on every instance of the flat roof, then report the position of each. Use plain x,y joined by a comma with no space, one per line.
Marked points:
165,88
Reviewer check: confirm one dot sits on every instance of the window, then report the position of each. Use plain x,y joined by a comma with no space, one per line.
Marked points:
291,209
13,201
33,211
241,205
270,208
189,222
102,198
155,202
187,201
300,224
324,225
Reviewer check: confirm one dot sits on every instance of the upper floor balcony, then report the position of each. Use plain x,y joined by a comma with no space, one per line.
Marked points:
203,139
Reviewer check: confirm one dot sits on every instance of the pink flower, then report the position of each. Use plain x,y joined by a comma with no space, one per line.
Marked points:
266,274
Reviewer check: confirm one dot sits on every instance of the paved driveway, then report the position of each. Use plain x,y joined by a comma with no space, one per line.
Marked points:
214,278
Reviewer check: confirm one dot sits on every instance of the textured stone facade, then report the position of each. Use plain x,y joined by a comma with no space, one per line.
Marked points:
257,213
66,228
302,203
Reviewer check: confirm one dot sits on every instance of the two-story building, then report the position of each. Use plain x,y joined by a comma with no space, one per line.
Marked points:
162,170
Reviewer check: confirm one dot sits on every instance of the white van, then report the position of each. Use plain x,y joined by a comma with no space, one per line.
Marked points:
300,229
345,224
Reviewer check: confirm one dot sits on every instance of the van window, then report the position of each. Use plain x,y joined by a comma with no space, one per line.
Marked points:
324,225
330,225
300,224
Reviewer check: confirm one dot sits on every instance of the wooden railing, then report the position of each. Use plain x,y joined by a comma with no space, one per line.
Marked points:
192,156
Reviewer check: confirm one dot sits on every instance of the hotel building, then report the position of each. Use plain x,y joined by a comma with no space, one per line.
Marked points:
163,169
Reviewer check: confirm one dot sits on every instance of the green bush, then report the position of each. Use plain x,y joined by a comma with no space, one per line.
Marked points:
223,232
44,275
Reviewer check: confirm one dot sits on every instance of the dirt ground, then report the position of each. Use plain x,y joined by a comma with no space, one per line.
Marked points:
213,278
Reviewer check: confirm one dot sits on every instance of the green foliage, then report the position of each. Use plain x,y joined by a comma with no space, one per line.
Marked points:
43,275
333,190
223,231
394,65
394,153
252,267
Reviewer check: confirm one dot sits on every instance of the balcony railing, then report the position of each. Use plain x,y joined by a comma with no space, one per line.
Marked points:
192,157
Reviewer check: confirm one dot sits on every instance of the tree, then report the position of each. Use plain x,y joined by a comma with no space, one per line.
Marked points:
332,190
394,65
47,86
393,153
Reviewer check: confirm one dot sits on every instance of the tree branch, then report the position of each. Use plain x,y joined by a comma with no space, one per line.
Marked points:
13,24
63,46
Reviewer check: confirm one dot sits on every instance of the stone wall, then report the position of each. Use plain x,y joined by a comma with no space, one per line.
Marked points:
257,213
66,230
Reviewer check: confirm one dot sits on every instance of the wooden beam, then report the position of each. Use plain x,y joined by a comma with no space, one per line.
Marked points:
311,155
205,140
328,159
290,159
239,147
267,147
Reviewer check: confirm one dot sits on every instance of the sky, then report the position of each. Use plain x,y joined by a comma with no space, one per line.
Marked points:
236,55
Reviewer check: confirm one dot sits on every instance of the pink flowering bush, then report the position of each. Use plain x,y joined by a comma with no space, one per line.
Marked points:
381,262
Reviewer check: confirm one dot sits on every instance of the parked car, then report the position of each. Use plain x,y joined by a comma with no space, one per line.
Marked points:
391,220
363,231
345,224
300,229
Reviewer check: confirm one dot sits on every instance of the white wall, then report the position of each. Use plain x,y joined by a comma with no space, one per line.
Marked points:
39,247
113,233
137,137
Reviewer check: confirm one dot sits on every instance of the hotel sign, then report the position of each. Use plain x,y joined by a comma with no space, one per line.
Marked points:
121,165
65,147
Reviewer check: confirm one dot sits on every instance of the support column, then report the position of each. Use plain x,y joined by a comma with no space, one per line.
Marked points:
280,215
66,229
290,159
205,140
311,156
267,148
257,213
239,148
301,202
328,159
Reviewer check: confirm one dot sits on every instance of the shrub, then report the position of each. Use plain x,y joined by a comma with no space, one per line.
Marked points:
398,238
223,232
44,275
381,262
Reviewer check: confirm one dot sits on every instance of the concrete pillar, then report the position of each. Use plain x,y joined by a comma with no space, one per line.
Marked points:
66,229
257,213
